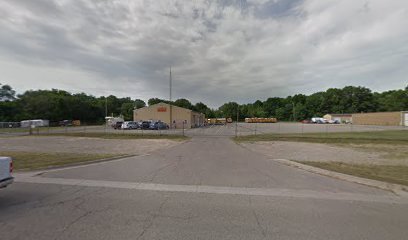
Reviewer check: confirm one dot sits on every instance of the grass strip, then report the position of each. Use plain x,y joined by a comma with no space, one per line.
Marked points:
40,160
386,173
117,135
380,137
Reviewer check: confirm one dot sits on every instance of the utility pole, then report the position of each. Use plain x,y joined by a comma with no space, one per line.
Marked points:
236,123
106,113
170,111
106,107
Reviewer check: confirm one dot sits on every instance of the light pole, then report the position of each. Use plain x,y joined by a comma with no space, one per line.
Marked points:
236,123
106,114
170,111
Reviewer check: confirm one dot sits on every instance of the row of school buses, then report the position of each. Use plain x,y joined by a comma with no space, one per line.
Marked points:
222,121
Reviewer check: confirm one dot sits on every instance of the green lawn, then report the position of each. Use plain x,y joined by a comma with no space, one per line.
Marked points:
117,135
41,129
35,160
383,137
386,173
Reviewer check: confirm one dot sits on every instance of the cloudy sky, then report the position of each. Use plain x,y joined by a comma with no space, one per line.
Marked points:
232,50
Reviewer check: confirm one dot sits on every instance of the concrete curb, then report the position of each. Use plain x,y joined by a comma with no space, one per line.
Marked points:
398,189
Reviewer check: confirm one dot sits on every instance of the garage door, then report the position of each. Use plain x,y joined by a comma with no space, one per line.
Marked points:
406,119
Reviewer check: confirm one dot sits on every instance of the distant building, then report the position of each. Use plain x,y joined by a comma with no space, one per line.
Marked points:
381,118
174,116
342,118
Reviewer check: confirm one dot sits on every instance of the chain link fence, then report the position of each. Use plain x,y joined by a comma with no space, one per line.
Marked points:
227,130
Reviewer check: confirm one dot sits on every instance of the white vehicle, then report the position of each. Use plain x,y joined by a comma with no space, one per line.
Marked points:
35,123
110,121
319,120
129,125
6,168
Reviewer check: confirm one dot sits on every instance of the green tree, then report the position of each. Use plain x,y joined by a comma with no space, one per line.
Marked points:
395,100
200,107
139,103
271,105
7,93
184,103
153,101
229,110
127,110
358,99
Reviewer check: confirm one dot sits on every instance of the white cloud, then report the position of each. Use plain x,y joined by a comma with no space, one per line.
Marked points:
220,50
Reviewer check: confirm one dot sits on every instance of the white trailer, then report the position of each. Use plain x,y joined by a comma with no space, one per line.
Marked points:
35,123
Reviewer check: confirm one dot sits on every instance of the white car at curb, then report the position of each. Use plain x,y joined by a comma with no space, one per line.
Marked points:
6,168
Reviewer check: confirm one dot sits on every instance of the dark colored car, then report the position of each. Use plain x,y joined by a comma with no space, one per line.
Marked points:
158,125
144,125
117,125
64,123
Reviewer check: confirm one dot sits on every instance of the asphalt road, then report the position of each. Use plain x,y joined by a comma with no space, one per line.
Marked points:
206,188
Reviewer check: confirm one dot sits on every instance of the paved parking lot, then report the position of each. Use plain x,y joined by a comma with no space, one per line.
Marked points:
205,188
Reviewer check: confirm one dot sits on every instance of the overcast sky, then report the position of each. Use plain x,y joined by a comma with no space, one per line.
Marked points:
219,50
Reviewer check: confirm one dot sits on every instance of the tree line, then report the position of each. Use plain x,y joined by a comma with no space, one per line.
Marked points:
56,105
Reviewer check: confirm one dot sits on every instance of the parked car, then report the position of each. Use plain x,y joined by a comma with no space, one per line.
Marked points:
334,121
117,125
144,125
129,125
306,121
6,168
65,123
319,120
158,125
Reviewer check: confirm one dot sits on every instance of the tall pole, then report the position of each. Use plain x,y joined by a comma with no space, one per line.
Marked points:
170,112
236,123
106,113
106,107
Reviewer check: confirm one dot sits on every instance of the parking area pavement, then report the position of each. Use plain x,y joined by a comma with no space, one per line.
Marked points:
48,211
204,188
207,161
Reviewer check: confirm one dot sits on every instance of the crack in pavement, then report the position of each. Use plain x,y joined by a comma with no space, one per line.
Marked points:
262,230
157,171
152,218
79,218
